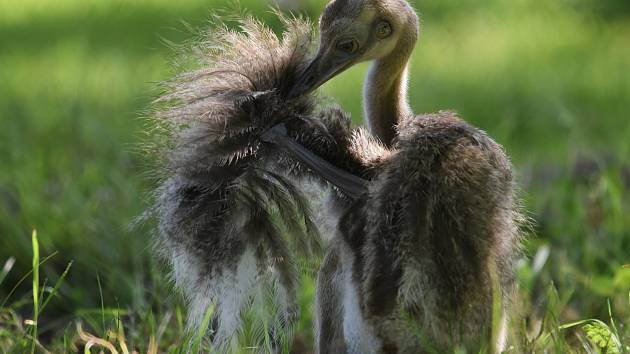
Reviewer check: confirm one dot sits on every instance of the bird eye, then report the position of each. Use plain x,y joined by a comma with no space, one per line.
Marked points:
383,29
347,45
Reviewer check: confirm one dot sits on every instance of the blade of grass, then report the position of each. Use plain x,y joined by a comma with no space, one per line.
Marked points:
497,330
23,278
203,329
152,349
8,265
100,292
267,338
166,319
613,325
42,289
56,287
120,331
122,342
108,312
35,289
92,340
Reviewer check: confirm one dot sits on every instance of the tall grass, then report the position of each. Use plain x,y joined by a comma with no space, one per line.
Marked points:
592,335
548,80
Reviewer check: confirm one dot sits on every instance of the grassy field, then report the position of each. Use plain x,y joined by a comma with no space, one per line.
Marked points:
548,80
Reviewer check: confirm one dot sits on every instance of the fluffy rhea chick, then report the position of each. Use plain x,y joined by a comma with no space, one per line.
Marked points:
231,216
421,259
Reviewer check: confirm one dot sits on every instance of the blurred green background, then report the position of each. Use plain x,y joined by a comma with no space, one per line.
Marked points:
549,80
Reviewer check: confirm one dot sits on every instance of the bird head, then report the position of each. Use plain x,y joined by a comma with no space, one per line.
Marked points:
353,31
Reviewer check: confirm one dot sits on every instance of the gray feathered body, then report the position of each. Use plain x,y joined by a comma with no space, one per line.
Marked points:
226,206
413,261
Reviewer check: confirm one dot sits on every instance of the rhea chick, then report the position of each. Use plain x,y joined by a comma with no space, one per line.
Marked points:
420,260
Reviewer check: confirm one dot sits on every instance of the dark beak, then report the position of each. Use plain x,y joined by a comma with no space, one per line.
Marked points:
319,71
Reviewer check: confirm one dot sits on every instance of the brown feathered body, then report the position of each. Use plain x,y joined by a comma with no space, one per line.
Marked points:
416,261
419,262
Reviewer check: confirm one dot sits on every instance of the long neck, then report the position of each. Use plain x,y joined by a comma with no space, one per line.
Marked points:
385,91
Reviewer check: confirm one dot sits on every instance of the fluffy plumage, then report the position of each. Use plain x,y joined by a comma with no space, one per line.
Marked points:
234,211
416,256
419,261
226,204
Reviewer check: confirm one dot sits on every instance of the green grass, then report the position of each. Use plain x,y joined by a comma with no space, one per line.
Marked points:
35,291
548,80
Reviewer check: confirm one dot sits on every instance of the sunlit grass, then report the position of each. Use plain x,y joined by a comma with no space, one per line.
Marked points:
609,335
33,322
550,81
